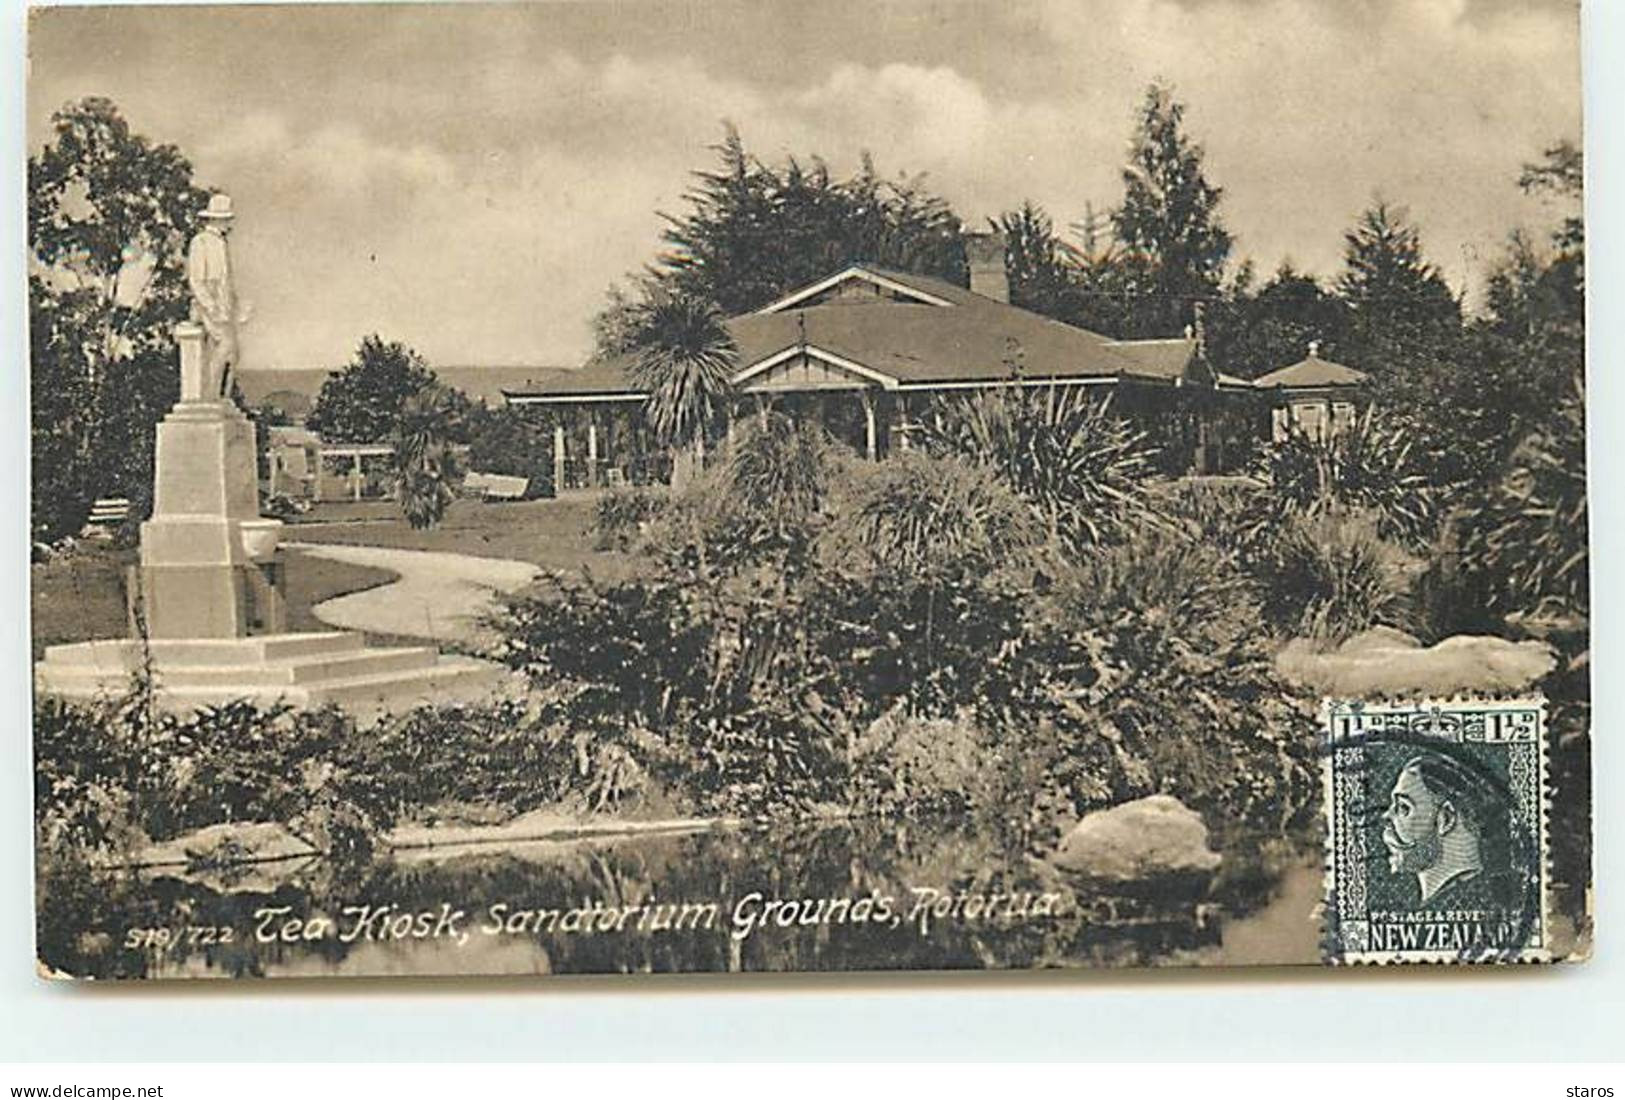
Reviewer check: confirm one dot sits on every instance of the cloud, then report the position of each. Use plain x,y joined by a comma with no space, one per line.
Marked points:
470,178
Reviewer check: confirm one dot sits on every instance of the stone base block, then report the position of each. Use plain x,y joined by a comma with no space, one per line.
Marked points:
208,601
206,463
301,670
194,601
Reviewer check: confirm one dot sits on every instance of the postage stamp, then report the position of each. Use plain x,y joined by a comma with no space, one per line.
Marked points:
1436,831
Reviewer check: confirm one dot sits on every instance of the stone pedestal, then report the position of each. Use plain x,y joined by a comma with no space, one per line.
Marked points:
207,614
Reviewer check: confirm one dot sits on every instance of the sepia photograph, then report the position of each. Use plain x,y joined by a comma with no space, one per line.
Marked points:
706,486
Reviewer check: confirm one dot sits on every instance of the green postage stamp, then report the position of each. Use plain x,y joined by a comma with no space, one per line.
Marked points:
1436,831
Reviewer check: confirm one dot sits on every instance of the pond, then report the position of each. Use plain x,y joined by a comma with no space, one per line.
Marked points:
840,897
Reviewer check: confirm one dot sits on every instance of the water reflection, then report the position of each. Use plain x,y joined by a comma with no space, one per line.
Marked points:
834,898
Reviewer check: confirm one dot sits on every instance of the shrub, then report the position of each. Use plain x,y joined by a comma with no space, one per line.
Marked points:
1181,582
780,465
763,502
1526,535
1187,698
1370,467
1080,468
708,682
623,511
1329,576
110,773
778,473
927,515
512,441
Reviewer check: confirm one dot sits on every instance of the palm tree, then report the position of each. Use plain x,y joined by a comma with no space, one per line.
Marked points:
427,469
683,356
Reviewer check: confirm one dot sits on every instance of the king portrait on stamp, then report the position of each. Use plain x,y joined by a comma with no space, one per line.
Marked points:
1441,822
1435,819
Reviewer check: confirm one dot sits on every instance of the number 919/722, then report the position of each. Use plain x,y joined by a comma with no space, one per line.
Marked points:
186,935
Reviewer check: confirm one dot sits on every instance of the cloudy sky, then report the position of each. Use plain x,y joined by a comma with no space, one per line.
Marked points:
470,178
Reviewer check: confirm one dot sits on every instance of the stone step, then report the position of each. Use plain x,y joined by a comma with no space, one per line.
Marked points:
450,680
130,655
316,669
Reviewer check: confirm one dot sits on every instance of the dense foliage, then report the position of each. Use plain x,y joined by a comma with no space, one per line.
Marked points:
107,776
622,514
1082,469
1252,330
514,441
112,776
1371,466
753,232
363,402
1530,530
109,216
917,598
427,468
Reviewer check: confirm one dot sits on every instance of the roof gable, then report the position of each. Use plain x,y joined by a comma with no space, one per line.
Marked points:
1310,373
877,284
806,367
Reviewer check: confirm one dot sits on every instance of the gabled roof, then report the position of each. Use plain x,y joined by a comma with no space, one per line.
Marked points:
925,332
1312,373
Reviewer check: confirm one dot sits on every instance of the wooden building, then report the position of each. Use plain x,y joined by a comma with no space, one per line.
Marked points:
868,351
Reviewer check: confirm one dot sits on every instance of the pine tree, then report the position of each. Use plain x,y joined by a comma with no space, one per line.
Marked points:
1043,273
1405,324
1169,220
1405,331
753,232
1254,331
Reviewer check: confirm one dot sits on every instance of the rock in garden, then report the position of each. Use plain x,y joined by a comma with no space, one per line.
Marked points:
1149,838
235,842
1386,662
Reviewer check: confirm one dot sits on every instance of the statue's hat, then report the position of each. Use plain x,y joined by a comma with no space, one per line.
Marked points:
219,208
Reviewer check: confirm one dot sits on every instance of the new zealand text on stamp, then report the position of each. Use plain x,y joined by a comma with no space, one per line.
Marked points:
1436,831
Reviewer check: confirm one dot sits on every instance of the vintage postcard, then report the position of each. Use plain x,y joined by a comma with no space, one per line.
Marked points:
696,485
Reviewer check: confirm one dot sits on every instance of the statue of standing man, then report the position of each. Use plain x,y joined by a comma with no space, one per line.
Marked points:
214,296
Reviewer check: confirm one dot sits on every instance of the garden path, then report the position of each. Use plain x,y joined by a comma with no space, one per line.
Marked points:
438,595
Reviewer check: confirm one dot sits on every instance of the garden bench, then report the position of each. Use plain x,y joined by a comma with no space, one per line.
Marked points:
492,487
109,512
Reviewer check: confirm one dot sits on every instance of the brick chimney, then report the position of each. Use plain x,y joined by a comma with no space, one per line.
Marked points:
984,252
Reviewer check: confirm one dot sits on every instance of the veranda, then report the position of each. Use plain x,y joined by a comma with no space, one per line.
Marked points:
607,441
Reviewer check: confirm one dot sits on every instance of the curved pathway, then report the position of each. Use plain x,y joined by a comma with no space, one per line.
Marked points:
438,595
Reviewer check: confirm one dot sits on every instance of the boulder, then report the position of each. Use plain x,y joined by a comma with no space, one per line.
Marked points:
1147,839
234,842
1386,662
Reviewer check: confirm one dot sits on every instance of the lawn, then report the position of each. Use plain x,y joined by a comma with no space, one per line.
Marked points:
554,534
81,595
